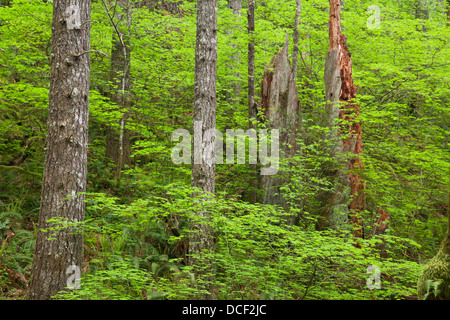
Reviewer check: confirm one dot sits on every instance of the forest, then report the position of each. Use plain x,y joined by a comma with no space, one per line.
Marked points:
224,150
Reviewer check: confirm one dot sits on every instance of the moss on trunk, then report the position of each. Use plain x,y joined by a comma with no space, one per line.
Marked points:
437,271
434,280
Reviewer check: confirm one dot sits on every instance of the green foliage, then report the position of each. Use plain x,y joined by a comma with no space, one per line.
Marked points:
132,253
121,281
137,227
16,250
432,289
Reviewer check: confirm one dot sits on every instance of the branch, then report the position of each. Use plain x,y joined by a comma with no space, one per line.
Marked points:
95,51
112,22
2,65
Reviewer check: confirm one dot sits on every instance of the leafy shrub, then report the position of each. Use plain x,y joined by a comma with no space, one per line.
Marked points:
256,255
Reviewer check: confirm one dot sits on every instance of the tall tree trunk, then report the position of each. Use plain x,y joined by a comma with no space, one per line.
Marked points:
204,116
117,140
66,150
348,200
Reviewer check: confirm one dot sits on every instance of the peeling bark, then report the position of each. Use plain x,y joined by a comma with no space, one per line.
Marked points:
348,201
280,106
66,149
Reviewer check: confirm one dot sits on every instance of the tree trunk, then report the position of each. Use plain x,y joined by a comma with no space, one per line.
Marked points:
204,116
66,150
348,200
279,102
117,140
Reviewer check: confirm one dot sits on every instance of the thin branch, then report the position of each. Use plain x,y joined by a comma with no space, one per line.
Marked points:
94,51
310,282
113,23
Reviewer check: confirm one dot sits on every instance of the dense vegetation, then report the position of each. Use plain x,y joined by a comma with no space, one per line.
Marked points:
136,228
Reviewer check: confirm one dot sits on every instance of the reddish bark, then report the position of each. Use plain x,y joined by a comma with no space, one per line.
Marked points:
350,129
352,142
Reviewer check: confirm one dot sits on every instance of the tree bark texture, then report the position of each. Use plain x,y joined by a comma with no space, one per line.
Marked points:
348,200
117,139
66,149
204,116
280,105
